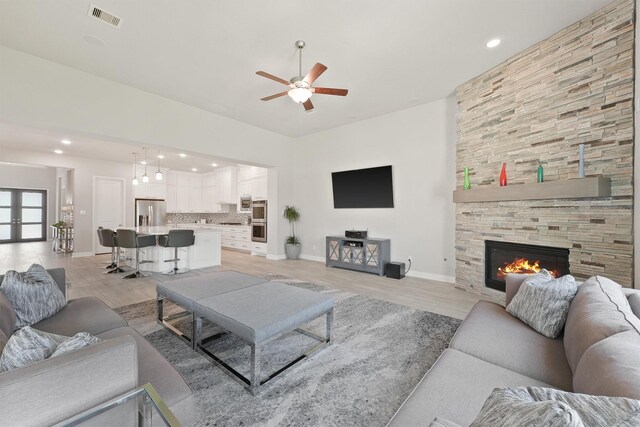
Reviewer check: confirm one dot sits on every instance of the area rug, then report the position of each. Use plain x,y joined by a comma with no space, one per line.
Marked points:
380,352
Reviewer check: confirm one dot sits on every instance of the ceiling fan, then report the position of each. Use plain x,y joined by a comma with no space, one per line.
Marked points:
300,89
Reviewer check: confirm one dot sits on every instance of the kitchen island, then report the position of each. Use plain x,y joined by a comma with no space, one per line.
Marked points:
204,253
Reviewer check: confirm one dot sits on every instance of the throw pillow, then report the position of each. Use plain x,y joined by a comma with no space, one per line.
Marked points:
506,407
546,406
76,342
33,294
28,346
542,302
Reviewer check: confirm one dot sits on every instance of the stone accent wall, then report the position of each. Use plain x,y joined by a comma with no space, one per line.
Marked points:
536,108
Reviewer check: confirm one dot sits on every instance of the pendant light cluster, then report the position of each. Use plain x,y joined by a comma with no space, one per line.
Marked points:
145,176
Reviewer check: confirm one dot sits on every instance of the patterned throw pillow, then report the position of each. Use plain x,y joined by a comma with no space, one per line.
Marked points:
542,302
28,346
76,342
33,294
538,406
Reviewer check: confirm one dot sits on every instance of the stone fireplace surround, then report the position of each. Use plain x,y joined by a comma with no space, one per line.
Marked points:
575,87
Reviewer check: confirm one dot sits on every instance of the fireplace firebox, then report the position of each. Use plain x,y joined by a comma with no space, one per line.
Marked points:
502,258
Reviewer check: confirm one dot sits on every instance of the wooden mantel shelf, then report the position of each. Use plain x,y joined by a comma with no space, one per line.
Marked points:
579,188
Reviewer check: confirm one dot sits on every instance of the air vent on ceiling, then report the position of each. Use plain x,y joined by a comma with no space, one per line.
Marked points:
104,16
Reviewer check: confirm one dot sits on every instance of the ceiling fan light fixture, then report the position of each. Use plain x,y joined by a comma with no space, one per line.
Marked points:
300,94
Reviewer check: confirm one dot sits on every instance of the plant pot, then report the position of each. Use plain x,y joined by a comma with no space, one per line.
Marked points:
292,250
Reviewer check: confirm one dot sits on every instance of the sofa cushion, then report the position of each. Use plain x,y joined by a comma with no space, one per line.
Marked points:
455,388
493,335
153,368
598,311
611,367
87,314
33,294
543,302
7,316
27,346
536,406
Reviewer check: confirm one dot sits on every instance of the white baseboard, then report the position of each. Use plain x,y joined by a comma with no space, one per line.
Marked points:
81,254
418,274
312,258
276,257
431,276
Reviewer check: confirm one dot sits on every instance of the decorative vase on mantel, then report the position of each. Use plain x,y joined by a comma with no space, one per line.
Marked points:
503,175
467,181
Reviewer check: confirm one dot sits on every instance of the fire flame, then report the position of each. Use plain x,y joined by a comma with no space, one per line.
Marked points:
522,266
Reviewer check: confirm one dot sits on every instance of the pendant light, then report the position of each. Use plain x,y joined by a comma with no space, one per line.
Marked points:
134,181
158,172
145,177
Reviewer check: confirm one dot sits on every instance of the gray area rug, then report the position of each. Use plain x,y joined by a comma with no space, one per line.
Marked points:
380,352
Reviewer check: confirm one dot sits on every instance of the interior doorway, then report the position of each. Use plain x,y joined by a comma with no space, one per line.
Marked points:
23,215
108,207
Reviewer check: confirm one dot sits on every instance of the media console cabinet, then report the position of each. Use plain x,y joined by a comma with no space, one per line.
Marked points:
368,255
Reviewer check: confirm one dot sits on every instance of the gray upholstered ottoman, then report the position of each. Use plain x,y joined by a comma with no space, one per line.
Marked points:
186,292
258,314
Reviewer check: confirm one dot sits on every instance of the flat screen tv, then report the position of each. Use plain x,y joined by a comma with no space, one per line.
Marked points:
363,188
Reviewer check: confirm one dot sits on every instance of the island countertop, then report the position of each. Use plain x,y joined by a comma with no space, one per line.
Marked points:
164,229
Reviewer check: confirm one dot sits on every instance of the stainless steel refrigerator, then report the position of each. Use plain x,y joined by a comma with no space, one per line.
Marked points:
150,212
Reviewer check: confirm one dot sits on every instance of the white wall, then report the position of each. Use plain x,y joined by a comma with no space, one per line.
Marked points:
29,177
84,171
36,92
420,145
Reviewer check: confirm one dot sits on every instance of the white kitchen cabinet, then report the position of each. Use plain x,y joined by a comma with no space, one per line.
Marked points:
209,180
172,198
171,178
227,184
151,190
259,188
182,199
195,199
195,181
182,179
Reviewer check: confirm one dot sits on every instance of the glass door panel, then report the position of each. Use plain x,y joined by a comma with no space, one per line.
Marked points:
23,215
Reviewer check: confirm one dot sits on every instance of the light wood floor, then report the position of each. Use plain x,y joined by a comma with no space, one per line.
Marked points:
86,277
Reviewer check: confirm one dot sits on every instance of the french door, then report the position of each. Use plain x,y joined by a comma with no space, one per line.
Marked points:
23,215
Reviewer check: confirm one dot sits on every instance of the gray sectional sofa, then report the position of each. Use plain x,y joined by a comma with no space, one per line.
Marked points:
55,389
599,354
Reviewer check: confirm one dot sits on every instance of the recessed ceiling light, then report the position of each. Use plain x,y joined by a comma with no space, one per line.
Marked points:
493,43
143,162
183,155
194,169
65,141
161,156
214,164
57,151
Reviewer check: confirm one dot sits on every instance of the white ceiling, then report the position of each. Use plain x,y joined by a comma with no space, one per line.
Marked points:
45,140
391,55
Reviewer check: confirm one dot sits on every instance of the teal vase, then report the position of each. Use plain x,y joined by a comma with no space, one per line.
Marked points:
540,174
467,181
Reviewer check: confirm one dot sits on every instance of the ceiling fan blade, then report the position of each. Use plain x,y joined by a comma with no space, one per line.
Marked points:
277,95
315,72
272,77
308,106
330,91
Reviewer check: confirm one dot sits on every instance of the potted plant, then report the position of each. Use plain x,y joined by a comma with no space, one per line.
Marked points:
292,246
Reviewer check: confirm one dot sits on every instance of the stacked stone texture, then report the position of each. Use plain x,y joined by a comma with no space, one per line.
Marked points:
573,88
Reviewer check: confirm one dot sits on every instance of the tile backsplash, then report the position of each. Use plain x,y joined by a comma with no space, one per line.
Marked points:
212,218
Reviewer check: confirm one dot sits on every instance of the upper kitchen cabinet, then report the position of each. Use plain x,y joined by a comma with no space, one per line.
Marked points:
226,184
252,181
150,190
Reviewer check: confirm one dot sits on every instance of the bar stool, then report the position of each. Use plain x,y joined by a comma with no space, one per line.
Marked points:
107,238
177,239
131,240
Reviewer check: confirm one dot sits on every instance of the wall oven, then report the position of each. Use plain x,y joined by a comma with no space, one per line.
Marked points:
259,221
